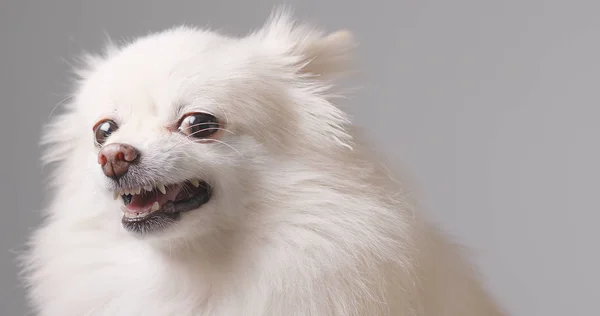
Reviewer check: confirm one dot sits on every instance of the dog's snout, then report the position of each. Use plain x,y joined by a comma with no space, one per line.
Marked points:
115,159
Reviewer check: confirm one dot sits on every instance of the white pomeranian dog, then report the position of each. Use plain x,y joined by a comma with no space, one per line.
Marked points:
202,174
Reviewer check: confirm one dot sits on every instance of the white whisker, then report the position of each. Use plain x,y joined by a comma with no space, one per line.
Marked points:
224,143
57,105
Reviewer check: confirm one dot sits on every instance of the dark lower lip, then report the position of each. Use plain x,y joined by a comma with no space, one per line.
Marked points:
168,214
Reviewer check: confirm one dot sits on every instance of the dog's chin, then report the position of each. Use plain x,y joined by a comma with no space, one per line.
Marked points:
149,210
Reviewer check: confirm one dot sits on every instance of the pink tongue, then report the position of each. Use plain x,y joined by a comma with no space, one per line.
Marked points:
143,202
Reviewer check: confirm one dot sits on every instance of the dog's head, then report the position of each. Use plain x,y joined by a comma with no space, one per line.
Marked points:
177,125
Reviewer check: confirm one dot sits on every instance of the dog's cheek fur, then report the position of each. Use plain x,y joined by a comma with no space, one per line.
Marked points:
66,147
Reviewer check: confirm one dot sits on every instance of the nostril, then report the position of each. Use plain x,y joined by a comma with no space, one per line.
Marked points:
102,160
127,153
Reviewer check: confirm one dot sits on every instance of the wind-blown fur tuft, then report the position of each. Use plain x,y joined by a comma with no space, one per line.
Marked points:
303,219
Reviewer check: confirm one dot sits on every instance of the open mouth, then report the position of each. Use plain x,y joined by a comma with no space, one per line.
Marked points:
151,208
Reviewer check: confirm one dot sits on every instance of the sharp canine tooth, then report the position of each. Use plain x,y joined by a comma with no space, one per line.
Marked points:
161,188
196,183
124,209
116,195
155,207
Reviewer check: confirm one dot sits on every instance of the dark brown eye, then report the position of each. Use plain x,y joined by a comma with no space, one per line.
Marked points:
103,129
199,125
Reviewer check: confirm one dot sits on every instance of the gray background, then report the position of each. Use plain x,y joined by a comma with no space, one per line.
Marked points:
492,106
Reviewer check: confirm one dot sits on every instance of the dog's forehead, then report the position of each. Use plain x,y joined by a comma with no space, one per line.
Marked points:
166,72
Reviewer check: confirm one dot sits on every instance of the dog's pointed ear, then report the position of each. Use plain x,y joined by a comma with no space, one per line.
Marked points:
311,51
330,55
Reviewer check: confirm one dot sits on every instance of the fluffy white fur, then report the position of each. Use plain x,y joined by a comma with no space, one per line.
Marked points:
304,221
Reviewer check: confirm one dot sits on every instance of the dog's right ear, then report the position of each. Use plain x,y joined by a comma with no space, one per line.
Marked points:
60,134
87,63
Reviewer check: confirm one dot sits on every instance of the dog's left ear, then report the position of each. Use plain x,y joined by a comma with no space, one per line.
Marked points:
307,48
330,55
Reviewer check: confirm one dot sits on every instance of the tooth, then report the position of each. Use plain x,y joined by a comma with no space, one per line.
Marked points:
138,191
148,188
124,209
161,188
116,195
196,183
155,207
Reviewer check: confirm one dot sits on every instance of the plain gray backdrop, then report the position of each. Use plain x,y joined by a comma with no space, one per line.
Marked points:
492,106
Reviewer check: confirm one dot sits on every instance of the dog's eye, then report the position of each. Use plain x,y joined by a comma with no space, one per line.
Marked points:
199,125
103,129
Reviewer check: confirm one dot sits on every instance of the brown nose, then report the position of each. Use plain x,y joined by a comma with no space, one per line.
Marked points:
116,158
